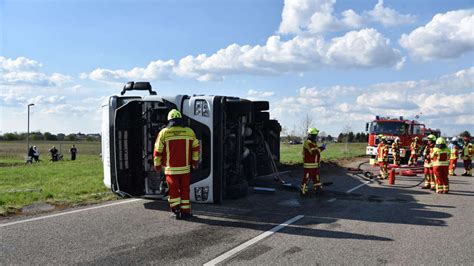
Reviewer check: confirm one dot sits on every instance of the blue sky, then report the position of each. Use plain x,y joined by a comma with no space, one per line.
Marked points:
340,62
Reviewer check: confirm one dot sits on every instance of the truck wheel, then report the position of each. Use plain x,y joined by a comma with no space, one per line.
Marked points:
239,107
260,106
236,191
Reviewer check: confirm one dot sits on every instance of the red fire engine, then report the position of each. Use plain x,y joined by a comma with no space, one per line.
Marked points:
392,128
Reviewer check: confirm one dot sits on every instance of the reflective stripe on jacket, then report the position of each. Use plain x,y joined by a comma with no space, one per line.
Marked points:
176,148
311,154
440,157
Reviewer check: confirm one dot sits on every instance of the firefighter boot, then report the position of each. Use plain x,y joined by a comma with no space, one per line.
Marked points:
317,188
304,189
176,213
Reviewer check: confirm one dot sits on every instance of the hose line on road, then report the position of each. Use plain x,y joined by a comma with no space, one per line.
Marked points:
367,175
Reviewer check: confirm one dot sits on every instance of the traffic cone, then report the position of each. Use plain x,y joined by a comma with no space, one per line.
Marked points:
391,177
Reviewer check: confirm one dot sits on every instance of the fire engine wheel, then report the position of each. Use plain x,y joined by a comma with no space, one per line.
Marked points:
237,191
239,107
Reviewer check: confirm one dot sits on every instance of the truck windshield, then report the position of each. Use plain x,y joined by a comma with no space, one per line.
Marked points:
387,128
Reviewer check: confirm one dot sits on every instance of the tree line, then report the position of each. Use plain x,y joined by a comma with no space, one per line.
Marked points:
37,135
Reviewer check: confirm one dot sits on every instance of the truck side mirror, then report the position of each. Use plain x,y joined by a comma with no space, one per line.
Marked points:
366,126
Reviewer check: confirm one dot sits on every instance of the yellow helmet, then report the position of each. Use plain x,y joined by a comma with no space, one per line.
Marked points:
440,141
312,131
174,114
431,137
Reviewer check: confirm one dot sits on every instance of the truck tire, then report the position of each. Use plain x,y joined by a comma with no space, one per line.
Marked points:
262,116
237,191
239,107
260,106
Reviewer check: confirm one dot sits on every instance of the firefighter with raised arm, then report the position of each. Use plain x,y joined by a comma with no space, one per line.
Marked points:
311,161
382,157
453,159
429,176
177,150
466,153
414,150
396,151
440,160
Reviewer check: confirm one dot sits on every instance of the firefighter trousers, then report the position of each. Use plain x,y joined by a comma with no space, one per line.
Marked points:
396,158
441,176
413,159
383,170
179,192
468,167
429,178
310,174
452,166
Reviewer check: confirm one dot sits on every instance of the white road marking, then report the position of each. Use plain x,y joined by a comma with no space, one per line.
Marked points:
69,212
332,200
252,241
357,187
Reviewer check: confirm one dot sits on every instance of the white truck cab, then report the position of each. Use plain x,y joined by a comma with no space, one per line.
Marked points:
238,142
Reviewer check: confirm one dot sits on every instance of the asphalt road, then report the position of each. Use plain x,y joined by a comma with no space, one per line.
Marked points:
373,224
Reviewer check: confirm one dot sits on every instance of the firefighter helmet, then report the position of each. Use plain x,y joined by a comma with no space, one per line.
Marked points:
454,139
397,139
173,114
440,141
312,131
417,138
431,137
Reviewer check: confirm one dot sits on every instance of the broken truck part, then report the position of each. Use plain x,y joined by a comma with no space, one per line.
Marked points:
238,141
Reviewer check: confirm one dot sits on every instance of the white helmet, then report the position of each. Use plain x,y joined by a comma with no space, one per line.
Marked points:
454,139
397,139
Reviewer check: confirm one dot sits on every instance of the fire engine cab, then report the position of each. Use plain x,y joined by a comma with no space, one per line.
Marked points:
238,141
392,128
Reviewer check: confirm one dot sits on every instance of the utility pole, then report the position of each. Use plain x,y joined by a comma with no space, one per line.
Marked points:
28,131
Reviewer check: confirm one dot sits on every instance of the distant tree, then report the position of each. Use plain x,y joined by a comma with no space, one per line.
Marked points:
306,123
36,135
329,138
61,136
350,137
10,136
341,137
71,137
49,136
90,138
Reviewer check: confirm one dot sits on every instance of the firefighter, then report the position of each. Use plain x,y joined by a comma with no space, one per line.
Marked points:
454,148
311,162
430,182
177,150
382,158
440,160
466,154
396,151
414,150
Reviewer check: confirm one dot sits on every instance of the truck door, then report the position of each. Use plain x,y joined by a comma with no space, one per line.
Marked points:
134,133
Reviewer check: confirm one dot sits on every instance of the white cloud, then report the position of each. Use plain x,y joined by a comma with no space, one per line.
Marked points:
24,71
447,35
388,16
317,16
364,48
445,102
155,70
260,94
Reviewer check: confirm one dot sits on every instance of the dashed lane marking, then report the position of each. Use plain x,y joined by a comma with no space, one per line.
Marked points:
252,241
357,187
68,212
332,200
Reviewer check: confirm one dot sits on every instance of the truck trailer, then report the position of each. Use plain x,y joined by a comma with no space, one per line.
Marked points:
238,142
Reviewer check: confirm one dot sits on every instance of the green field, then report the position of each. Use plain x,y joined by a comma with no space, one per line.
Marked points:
291,154
62,183
69,183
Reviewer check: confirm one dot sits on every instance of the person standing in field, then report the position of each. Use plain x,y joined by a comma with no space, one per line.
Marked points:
467,152
414,150
396,151
36,154
430,181
454,156
73,152
382,158
440,160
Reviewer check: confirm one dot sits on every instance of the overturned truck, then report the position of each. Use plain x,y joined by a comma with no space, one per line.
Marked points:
238,141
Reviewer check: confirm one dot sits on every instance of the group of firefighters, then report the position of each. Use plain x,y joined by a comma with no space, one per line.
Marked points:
177,152
439,159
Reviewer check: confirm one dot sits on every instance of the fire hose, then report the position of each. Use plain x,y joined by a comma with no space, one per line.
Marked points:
368,175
